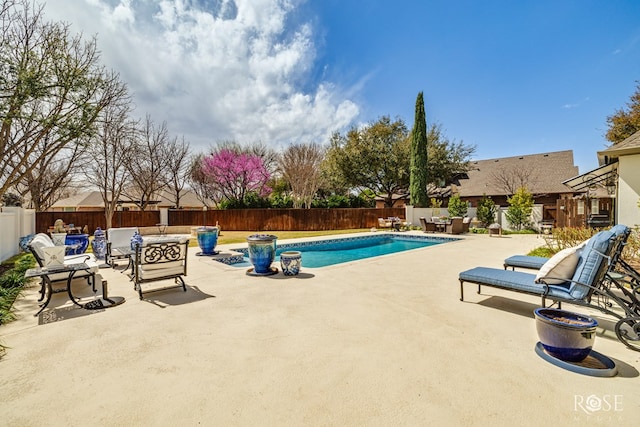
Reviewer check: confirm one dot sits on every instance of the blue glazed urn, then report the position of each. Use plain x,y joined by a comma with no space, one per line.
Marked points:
565,335
291,261
99,244
262,251
136,240
207,239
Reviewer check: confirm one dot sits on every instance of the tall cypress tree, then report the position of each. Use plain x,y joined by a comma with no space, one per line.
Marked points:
418,169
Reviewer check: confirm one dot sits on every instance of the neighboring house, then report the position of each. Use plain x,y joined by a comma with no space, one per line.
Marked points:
92,201
542,174
620,168
399,200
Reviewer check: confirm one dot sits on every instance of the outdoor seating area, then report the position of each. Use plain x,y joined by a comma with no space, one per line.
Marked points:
295,326
454,225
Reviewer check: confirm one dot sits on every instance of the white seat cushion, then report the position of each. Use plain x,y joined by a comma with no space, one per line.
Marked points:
121,237
147,274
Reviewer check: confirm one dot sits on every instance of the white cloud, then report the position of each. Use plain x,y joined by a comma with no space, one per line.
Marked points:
215,70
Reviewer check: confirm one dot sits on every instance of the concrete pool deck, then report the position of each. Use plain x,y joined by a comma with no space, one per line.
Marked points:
382,341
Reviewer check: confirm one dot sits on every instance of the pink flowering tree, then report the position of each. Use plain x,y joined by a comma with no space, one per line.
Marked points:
236,174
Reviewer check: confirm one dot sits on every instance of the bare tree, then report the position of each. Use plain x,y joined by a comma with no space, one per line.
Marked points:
178,168
110,148
147,163
52,90
202,184
52,178
510,179
300,166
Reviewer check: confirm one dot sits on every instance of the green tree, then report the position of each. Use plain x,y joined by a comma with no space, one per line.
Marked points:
520,207
625,122
418,168
374,157
446,158
457,207
486,211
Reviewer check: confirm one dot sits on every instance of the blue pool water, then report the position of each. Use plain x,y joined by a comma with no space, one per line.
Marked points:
321,253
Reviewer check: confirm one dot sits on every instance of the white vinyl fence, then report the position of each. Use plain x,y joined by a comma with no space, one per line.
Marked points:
14,223
413,215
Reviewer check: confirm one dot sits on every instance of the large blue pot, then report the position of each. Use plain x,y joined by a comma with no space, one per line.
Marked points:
76,243
262,251
207,239
565,335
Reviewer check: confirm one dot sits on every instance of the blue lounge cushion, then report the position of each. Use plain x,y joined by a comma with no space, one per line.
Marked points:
526,261
513,280
593,255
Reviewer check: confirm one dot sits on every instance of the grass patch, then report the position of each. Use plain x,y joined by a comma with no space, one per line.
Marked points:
12,282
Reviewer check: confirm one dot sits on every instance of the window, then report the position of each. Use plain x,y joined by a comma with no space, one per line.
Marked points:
595,206
580,207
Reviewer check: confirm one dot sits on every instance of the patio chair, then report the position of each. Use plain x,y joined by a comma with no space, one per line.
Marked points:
385,223
159,261
455,226
466,222
588,285
427,226
119,244
38,246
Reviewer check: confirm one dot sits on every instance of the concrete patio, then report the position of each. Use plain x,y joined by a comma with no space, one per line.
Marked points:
383,341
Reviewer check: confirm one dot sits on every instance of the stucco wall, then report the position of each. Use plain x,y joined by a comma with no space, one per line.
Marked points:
629,190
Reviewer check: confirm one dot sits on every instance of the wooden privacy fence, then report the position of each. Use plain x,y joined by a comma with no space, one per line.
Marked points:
94,219
231,220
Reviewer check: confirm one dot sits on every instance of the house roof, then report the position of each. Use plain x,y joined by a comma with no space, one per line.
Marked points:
542,173
631,145
93,199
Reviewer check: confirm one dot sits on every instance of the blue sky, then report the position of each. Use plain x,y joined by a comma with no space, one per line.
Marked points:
510,77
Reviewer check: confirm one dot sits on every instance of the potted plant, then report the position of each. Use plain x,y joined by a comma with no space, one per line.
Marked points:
565,335
262,251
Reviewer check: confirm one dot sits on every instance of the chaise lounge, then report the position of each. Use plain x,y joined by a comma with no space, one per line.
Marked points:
578,278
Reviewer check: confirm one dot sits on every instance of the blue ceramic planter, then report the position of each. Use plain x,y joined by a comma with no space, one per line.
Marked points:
262,251
207,240
76,243
99,244
291,261
565,335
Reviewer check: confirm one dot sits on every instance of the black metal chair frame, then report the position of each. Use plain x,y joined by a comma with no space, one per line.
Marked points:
160,253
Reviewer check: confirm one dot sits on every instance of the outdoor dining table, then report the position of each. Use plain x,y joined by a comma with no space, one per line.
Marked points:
441,225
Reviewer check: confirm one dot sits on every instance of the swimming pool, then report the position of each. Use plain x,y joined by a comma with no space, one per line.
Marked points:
322,253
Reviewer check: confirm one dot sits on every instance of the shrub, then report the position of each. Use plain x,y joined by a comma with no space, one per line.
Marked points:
486,211
519,210
457,207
